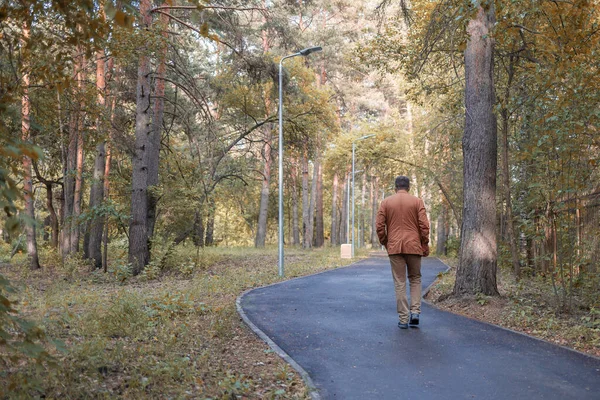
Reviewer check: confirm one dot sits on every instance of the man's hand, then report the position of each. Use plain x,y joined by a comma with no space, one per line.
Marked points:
425,248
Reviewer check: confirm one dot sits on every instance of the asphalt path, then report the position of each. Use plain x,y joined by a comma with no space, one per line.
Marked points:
340,326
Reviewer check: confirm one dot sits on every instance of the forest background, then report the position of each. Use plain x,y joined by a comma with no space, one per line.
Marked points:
138,164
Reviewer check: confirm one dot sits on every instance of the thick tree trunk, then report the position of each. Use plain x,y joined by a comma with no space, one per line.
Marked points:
32,251
96,200
75,227
261,231
319,229
334,212
153,152
263,210
305,200
295,225
95,227
139,253
478,251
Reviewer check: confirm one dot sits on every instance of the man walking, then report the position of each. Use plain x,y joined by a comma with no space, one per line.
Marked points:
403,228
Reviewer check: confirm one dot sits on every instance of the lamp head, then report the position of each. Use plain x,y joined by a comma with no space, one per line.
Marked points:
310,50
365,137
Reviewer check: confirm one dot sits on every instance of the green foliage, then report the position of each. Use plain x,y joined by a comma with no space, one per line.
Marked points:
122,271
21,340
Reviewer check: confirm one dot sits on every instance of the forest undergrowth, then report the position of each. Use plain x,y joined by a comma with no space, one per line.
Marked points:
529,305
172,332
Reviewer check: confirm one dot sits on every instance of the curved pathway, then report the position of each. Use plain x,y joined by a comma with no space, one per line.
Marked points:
340,327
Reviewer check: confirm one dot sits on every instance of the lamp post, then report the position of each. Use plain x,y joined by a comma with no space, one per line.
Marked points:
353,152
304,53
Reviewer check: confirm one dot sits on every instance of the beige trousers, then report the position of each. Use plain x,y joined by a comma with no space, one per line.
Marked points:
400,264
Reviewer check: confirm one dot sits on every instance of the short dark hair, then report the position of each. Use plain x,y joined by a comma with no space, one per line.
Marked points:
402,182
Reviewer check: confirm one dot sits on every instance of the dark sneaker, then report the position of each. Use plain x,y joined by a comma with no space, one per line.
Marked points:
402,326
414,319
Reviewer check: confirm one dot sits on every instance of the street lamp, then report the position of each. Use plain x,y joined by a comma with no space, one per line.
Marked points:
304,53
353,151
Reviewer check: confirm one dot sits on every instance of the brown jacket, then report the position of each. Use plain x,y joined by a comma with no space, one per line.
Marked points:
402,225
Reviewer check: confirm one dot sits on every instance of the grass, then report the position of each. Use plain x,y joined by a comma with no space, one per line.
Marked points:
172,332
528,306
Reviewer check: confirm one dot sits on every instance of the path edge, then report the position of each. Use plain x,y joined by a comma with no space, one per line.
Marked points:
426,291
312,388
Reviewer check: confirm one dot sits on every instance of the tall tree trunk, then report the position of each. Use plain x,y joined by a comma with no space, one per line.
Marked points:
261,231
344,214
95,229
69,179
334,211
32,252
510,227
96,200
105,219
305,199
311,207
153,152
374,209
77,193
263,210
477,266
361,211
319,228
295,227
139,253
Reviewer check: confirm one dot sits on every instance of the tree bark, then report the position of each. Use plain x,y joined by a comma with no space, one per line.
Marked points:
477,266
139,253
305,199
95,228
77,193
334,211
105,219
32,251
310,231
374,209
154,138
440,248
210,223
96,200
69,179
295,227
510,227
198,230
261,231
53,216
263,210
319,228
344,214
361,211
